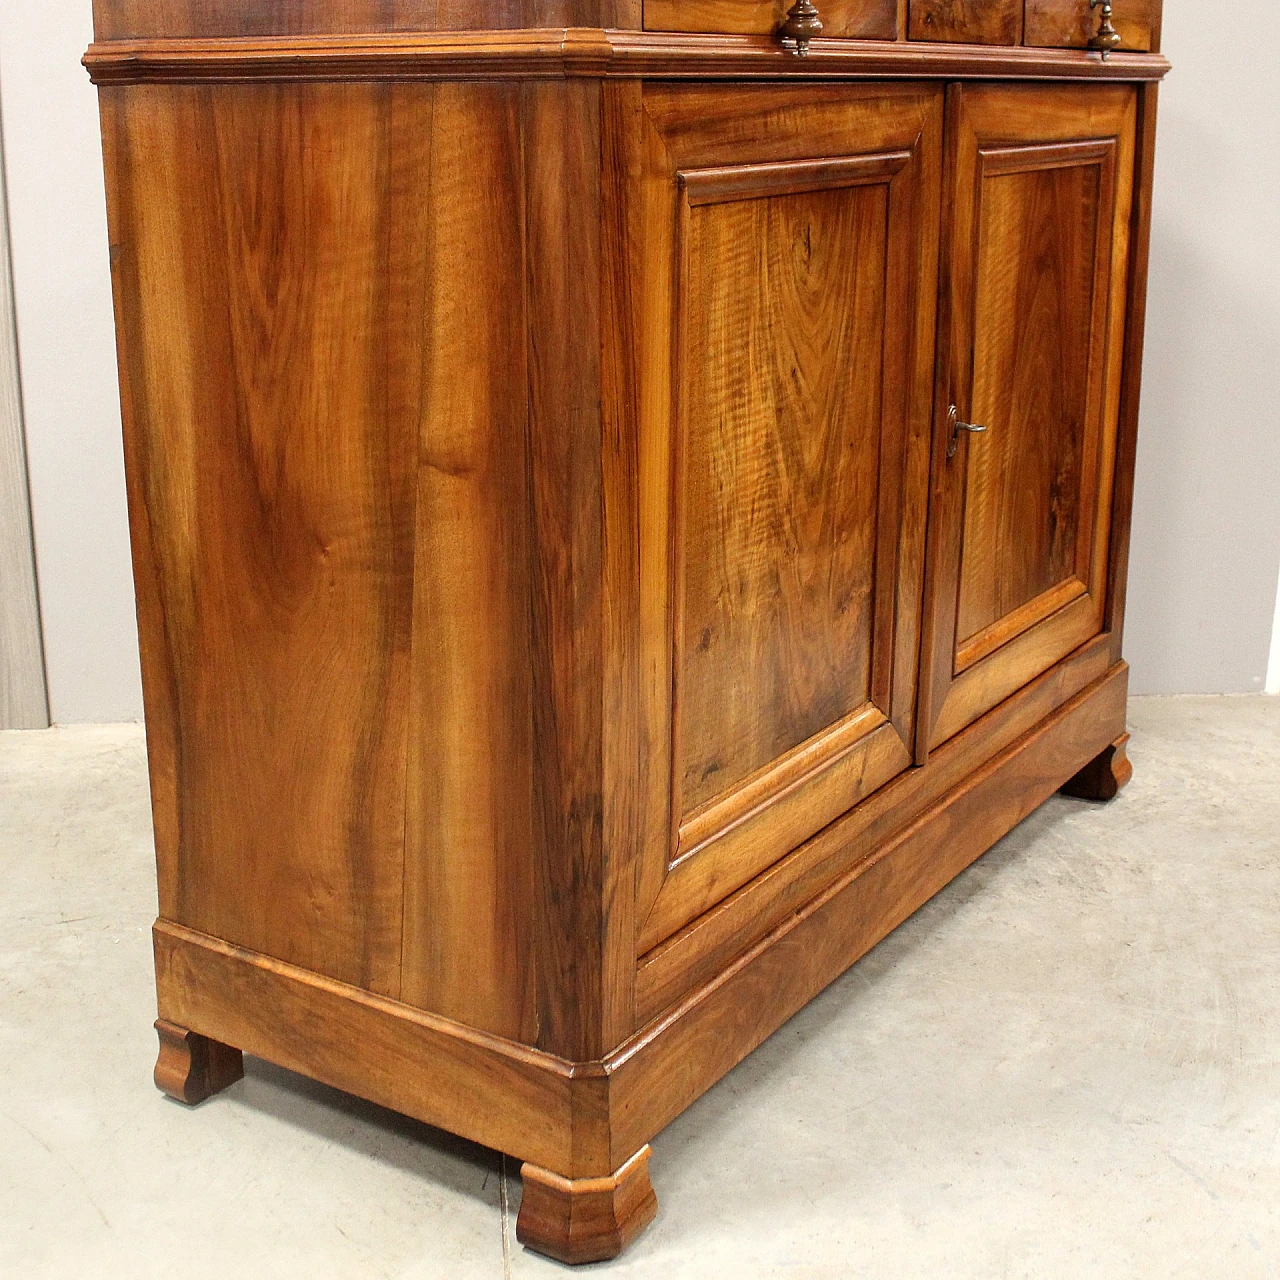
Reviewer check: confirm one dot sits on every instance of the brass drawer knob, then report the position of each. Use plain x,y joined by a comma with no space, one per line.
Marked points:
802,24
1106,37
955,427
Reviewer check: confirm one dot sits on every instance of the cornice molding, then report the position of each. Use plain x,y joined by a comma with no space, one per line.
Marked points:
561,52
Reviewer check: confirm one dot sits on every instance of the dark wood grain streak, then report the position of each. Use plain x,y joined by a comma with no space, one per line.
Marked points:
202,19
270,420
584,895
966,21
470,867
850,19
1131,392
1070,24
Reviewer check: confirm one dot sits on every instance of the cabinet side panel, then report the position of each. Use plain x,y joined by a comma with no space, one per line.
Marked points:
468,869
271,413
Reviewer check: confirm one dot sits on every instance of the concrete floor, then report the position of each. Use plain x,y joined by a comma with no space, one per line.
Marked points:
1067,1065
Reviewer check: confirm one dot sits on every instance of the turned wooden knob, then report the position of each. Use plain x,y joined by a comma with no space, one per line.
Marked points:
802,24
1106,38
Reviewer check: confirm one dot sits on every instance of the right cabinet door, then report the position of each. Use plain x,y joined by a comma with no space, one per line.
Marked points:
1036,245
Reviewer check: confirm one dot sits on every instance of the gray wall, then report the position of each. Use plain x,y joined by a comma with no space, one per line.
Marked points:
1206,549
1206,536
23,704
62,288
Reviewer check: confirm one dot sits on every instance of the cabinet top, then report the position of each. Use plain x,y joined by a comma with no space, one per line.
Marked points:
194,40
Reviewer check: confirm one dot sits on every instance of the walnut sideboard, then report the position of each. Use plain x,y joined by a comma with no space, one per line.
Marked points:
628,499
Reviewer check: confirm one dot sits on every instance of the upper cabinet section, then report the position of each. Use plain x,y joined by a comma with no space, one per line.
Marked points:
219,19
225,40
1047,24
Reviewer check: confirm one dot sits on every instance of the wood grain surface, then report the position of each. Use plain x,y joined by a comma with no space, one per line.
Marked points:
785,491
180,19
577,1220
1027,535
1037,233
1069,24
784,325
589,53
549,565
966,21
532,1105
271,423
852,19
469,864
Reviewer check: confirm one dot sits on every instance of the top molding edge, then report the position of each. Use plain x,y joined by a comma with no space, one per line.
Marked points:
565,52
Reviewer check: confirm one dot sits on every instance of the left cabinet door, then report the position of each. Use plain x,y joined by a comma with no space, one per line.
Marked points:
778,298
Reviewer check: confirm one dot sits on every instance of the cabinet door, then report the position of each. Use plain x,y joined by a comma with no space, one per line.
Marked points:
1039,196
783,284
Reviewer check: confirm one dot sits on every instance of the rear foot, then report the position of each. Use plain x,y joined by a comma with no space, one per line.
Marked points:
1104,775
192,1067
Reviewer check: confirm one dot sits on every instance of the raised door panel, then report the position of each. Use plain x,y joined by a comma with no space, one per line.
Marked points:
1038,244
786,284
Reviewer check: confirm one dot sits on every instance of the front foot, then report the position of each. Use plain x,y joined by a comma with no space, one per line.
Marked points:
585,1219
192,1067
1104,775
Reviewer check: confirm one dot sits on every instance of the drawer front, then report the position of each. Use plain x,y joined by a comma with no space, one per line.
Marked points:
849,19
967,21
1069,24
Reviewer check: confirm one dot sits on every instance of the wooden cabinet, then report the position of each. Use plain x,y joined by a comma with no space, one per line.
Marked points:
580,614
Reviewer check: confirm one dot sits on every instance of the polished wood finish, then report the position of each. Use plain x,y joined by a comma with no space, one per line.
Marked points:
802,305
271,516
202,19
192,1067
850,19
1070,24
567,645
731,918
1104,776
1038,222
579,1220
557,54
966,21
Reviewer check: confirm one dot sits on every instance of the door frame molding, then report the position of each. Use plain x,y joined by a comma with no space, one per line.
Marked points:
24,698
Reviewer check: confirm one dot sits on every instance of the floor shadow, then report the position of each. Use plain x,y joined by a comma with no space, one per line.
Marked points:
370,1130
